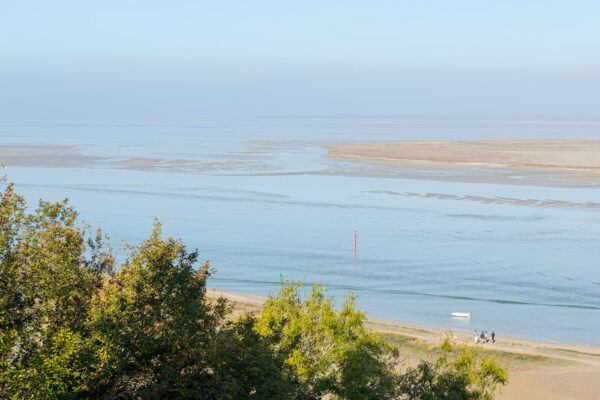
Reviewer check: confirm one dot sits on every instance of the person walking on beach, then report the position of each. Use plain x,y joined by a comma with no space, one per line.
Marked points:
493,337
486,337
476,337
482,337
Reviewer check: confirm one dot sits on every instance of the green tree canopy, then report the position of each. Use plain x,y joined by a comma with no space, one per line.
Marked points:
153,324
331,351
51,268
456,375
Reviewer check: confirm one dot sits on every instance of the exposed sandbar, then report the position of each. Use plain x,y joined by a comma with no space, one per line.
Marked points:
579,155
45,155
60,156
530,162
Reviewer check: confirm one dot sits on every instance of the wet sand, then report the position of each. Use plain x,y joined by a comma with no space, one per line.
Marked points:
45,155
538,370
493,200
56,156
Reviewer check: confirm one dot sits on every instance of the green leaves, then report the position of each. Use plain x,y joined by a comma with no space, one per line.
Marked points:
330,351
48,277
456,374
247,367
153,323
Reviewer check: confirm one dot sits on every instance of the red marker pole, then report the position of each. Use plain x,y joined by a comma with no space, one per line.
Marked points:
355,238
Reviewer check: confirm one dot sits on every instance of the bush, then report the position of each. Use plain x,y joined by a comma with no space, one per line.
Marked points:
330,351
456,374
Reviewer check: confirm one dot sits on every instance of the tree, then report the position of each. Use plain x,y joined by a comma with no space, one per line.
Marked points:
247,366
456,375
50,269
12,300
154,325
330,351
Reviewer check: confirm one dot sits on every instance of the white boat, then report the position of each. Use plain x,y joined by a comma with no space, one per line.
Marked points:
461,315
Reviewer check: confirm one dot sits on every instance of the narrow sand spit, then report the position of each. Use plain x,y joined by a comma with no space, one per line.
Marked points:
538,370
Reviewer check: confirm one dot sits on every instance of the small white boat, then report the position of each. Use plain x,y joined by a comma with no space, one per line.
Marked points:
461,315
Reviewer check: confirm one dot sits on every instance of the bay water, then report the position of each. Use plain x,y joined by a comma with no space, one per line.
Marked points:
260,198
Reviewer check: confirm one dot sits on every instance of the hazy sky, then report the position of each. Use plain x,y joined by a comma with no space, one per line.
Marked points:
145,60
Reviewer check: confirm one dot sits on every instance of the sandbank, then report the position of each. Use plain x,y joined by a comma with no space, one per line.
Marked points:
45,155
538,370
558,163
566,162
73,156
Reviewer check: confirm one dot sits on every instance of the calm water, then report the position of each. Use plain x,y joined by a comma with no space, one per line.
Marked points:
426,248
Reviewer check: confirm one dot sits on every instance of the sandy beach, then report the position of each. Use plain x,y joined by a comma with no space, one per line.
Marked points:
538,370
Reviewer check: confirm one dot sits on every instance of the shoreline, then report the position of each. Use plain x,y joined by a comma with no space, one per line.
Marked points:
252,302
538,369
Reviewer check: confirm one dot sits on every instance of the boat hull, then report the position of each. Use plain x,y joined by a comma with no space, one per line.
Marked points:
461,315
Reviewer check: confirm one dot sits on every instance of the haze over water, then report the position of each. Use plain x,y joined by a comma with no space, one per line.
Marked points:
258,198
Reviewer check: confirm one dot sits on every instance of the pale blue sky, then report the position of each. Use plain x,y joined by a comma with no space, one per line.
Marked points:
183,60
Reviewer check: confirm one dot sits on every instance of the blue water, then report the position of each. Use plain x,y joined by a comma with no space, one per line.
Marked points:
426,247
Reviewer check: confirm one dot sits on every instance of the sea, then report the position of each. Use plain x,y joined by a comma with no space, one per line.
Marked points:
260,199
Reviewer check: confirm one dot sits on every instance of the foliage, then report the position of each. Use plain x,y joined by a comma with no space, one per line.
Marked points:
456,375
247,366
50,269
72,326
330,351
153,323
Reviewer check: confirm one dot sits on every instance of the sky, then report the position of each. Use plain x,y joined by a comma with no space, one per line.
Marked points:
182,61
